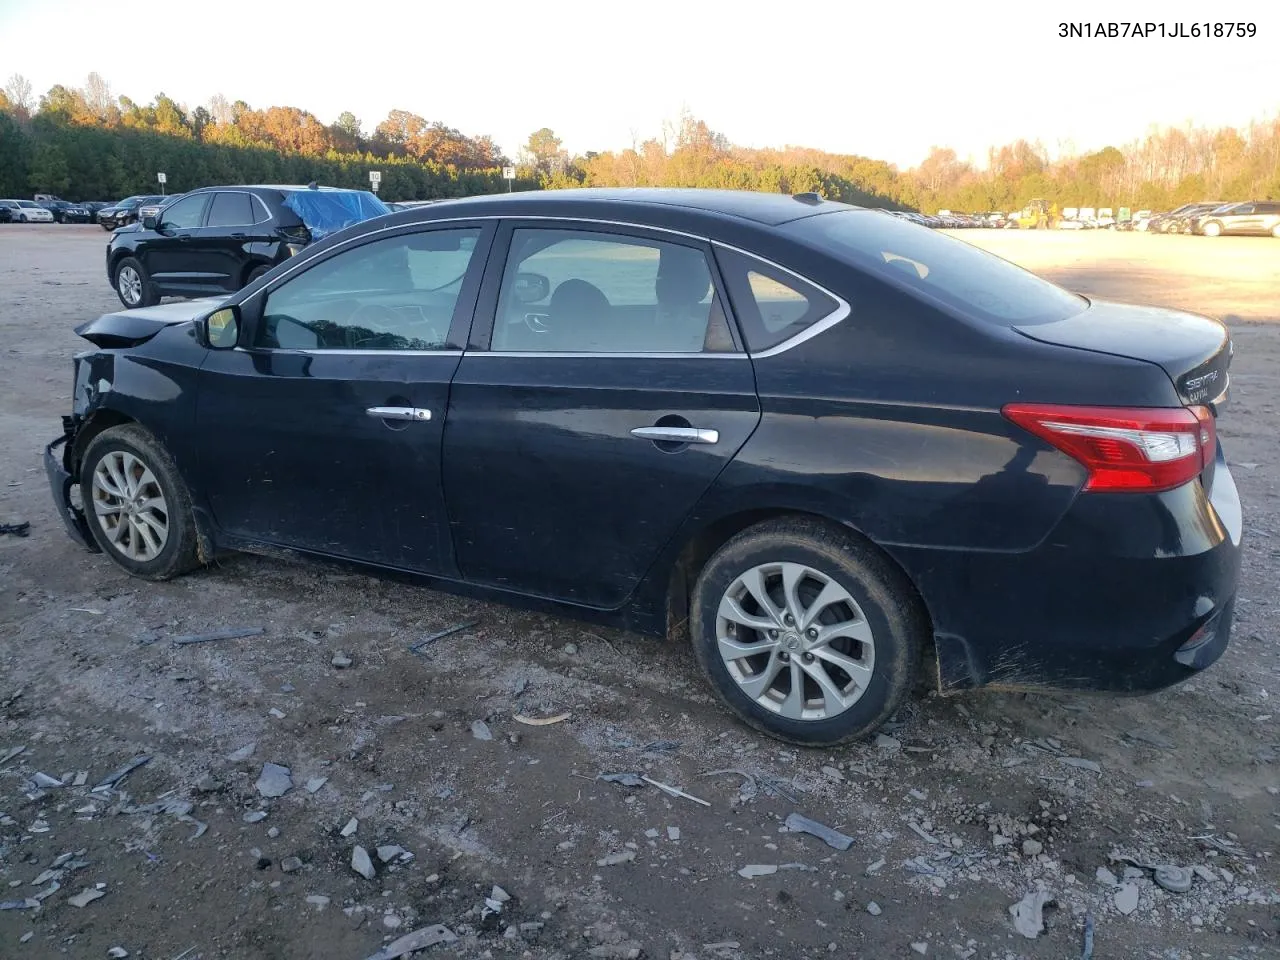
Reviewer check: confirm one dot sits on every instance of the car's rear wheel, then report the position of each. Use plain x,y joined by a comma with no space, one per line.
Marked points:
1212,229
806,633
133,286
138,507
1275,231
254,274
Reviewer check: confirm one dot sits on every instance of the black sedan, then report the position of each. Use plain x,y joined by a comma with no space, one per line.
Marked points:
827,445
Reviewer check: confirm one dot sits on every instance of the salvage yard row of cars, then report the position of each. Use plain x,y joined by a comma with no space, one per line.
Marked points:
485,393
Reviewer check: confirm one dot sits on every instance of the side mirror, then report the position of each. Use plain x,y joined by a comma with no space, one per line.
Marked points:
221,329
531,287
150,222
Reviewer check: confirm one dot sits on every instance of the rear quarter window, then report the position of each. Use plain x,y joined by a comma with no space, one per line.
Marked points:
938,268
771,304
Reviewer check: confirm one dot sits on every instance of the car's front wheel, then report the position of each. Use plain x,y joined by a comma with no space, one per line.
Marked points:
133,286
138,507
806,633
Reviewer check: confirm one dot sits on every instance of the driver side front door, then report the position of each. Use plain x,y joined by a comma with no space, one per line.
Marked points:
322,431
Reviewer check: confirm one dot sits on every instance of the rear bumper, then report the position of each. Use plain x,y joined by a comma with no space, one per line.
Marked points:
1128,594
60,484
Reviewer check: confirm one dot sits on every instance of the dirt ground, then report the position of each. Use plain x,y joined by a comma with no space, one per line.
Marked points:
967,804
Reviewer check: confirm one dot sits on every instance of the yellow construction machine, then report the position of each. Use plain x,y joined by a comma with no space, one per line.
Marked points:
1034,216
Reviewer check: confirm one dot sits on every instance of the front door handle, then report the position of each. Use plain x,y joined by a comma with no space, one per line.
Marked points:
420,414
677,434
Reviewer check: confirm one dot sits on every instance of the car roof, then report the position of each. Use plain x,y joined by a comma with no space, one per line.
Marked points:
767,209
283,187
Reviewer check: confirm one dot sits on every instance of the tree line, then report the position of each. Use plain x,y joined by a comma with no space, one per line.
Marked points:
86,143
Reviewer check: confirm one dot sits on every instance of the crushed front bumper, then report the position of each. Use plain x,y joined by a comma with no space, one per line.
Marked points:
60,483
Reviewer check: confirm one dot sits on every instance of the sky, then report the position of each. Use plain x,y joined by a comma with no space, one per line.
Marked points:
887,80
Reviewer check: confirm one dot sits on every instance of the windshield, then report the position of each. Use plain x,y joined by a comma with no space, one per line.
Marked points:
951,272
27,203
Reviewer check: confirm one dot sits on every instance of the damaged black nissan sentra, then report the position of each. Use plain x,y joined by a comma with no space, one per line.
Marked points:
834,449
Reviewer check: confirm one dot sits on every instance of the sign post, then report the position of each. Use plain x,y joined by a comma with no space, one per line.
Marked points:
509,175
375,179
163,178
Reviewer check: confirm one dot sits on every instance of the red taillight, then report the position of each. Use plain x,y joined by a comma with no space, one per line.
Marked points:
1140,449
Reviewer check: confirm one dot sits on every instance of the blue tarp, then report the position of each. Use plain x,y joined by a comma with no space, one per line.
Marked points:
328,211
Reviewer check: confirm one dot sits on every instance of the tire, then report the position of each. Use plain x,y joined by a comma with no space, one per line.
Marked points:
105,227
133,286
1212,229
871,595
254,274
22,218
158,543
1275,231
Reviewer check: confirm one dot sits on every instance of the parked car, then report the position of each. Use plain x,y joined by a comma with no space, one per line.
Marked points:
1260,218
487,392
1179,220
124,211
26,211
217,239
66,212
155,206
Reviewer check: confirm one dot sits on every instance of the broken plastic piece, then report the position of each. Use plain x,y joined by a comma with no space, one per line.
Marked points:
440,635
832,838
1028,913
417,940
116,776
234,633
674,791
626,779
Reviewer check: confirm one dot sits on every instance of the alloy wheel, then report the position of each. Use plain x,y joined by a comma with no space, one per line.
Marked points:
130,506
795,641
130,285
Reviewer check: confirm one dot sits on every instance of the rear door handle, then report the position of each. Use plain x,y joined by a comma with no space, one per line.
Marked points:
677,434
420,414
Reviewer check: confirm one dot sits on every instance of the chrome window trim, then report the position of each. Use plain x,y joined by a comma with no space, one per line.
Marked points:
344,352
821,325
842,310
596,355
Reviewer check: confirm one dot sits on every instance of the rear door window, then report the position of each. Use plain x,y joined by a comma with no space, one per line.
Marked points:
231,210
577,291
943,269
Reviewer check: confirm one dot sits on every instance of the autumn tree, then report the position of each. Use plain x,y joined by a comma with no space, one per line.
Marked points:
543,151
19,95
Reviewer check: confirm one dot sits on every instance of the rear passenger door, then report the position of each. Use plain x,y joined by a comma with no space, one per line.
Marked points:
223,242
603,392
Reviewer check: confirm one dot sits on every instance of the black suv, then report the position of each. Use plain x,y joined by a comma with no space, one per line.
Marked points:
216,240
123,212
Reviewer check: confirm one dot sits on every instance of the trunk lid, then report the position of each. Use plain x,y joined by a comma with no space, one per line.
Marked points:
1194,351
